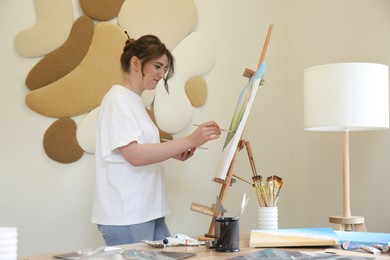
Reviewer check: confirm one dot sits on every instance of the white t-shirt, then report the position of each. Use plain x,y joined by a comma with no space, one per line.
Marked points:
125,194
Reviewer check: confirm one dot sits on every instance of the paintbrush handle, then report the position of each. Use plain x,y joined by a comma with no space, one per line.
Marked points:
223,130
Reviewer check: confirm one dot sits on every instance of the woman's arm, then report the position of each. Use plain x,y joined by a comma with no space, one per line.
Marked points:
182,148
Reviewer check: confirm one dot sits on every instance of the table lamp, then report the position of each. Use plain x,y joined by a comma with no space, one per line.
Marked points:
346,97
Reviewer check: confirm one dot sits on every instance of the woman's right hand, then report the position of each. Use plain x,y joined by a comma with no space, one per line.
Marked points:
205,132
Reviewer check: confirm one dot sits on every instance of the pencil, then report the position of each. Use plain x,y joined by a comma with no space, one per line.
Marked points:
223,130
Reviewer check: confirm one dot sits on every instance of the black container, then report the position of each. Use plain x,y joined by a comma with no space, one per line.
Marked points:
227,235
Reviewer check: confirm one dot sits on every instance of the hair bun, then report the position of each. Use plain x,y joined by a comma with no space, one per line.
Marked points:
129,42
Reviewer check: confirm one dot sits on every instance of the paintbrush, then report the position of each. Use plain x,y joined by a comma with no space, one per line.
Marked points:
257,185
223,130
280,182
267,192
244,203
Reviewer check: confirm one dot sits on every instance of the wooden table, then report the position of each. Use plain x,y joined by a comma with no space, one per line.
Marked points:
202,252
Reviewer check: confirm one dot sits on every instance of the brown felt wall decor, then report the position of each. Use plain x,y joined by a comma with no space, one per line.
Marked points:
60,141
101,10
82,89
196,91
63,60
72,78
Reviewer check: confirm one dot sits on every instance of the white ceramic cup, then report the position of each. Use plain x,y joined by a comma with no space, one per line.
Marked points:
268,218
8,243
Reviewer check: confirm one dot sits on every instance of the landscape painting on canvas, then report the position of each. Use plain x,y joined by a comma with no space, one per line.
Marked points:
238,121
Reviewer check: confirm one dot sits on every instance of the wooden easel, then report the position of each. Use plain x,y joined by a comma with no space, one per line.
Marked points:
229,179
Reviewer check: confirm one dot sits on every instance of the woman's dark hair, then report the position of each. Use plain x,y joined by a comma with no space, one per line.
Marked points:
146,48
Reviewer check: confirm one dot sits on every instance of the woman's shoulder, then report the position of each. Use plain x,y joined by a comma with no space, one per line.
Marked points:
120,96
120,92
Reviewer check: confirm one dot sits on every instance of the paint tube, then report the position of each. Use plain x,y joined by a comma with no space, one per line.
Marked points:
372,249
382,248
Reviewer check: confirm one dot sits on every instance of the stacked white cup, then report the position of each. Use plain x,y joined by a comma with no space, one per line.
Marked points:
8,243
268,218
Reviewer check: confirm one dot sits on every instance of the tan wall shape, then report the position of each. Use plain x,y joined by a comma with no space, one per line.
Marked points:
82,90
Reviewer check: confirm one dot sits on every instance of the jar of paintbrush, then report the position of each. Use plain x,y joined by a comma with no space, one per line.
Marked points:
267,192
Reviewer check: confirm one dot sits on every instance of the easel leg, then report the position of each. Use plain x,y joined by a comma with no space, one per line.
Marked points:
223,191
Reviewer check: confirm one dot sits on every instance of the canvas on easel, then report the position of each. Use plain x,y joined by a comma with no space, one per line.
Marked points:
238,122
234,142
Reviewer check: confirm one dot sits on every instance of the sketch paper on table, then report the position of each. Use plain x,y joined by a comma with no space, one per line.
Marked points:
239,119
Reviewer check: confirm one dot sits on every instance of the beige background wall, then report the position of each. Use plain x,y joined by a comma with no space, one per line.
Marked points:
50,202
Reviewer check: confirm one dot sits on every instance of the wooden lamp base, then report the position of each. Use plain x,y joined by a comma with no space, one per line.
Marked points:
353,223
347,222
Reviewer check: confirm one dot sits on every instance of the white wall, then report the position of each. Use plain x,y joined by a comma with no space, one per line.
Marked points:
50,202
321,32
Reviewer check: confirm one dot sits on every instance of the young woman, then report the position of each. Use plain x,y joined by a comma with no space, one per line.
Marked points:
131,202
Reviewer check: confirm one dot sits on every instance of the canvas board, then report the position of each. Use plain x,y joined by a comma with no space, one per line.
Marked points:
294,237
237,124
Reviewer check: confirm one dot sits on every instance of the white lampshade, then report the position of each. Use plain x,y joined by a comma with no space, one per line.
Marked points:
346,96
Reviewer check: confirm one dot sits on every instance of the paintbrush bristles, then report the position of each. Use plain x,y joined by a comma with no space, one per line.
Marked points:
267,192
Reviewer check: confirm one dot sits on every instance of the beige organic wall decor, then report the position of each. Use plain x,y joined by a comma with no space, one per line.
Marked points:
53,24
71,78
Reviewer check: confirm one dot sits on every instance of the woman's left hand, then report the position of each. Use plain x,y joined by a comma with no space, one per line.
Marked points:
185,155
